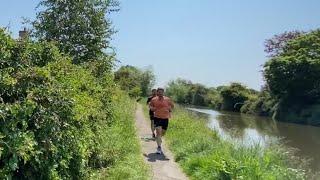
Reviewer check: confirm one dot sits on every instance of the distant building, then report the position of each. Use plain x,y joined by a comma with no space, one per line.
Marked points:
23,34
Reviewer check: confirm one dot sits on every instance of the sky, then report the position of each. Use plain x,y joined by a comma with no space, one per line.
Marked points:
213,42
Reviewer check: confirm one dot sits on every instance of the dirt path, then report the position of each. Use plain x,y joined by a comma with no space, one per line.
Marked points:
163,166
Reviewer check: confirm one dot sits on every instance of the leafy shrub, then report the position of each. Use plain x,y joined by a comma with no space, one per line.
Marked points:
134,81
234,96
293,76
262,105
55,116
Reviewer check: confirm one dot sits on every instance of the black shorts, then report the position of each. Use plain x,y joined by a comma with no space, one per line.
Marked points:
158,122
151,115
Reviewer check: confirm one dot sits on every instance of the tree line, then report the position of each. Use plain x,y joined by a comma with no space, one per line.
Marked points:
292,83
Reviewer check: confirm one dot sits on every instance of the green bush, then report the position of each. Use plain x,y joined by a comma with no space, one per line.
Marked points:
178,90
134,81
58,120
262,105
297,113
293,77
235,95
38,127
294,73
186,92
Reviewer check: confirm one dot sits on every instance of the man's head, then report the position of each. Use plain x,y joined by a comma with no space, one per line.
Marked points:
160,92
154,92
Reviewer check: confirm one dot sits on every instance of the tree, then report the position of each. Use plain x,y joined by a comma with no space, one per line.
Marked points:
295,73
234,96
178,90
213,98
263,104
147,81
79,27
134,81
186,92
275,46
128,78
199,93
293,78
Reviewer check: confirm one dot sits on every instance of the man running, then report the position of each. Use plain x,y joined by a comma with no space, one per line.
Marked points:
151,113
162,106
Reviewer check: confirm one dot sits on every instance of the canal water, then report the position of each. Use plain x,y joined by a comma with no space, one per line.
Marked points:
251,130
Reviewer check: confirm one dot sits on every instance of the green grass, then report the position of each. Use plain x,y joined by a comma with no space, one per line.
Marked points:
203,155
124,145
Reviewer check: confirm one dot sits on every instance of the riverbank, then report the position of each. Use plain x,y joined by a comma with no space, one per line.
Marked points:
237,97
203,155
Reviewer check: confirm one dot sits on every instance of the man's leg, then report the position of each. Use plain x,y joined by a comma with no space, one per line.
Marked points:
165,127
158,136
152,128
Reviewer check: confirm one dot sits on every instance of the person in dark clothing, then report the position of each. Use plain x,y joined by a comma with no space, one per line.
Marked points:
151,113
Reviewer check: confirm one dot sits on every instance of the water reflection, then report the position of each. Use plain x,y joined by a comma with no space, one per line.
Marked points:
251,130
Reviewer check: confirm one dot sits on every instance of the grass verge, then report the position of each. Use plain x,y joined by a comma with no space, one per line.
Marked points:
203,155
124,144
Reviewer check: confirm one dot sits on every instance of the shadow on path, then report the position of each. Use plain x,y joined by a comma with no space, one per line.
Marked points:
153,157
163,167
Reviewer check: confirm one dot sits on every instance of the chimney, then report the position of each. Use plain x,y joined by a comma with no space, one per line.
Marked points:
23,34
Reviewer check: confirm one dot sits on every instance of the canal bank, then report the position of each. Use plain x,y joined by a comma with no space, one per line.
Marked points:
251,130
203,154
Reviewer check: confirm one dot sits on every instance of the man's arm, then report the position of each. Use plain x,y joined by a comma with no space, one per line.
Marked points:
151,105
148,101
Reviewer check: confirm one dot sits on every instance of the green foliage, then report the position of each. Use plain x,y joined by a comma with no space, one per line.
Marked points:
295,73
298,113
262,105
147,81
234,96
198,94
128,78
203,155
213,98
134,81
185,92
56,117
293,76
178,90
122,144
231,97
22,54
80,28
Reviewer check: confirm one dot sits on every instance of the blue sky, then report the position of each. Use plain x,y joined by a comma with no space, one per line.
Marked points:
213,42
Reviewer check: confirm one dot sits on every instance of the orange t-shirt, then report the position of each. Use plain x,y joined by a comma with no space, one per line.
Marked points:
161,107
